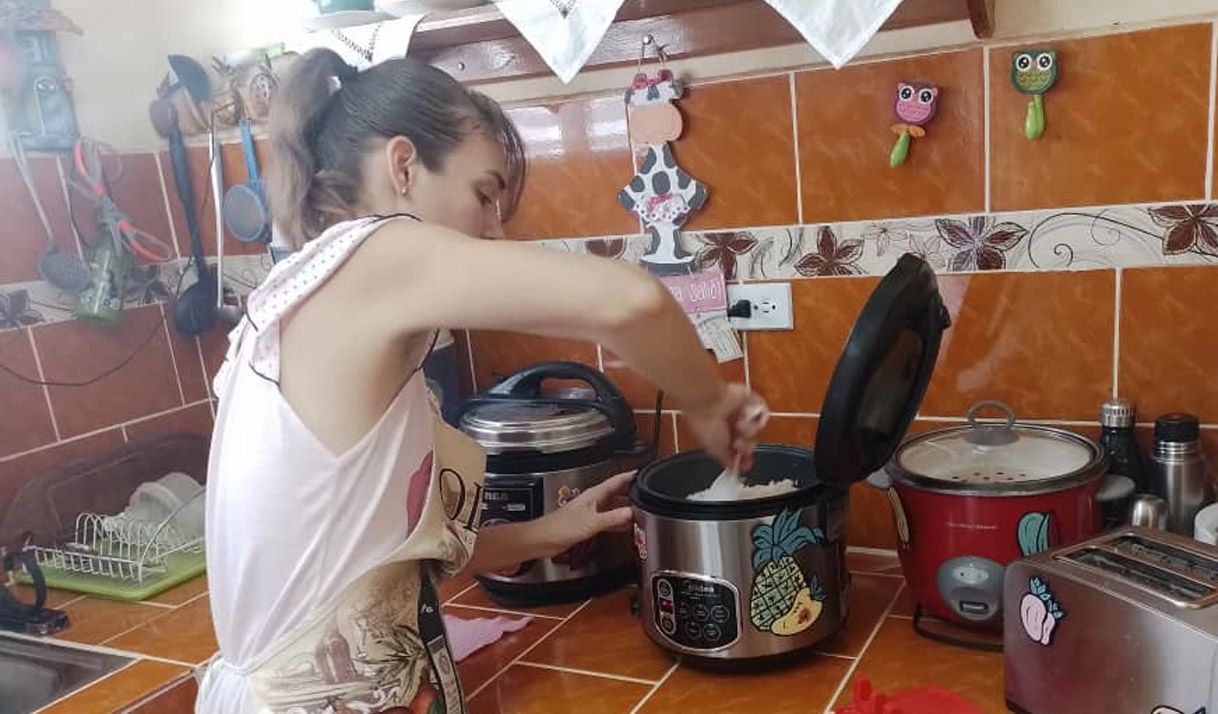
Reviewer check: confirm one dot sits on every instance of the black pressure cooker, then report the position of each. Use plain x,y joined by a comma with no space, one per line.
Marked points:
542,452
750,582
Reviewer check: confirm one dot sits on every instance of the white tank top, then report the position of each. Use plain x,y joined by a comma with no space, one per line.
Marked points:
291,525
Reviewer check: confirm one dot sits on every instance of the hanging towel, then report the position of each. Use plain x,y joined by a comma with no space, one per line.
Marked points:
564,32
837,29
466,637
362,45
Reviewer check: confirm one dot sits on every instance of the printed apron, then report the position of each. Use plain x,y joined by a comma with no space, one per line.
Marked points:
381,646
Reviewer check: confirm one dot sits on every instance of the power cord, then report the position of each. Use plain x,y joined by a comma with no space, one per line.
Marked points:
160,324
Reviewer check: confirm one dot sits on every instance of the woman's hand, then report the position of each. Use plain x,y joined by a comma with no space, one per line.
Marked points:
595,510
728,425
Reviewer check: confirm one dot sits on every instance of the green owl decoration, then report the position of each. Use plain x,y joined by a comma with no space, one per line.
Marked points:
1034,72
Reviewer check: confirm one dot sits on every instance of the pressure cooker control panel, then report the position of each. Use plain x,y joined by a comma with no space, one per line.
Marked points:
698,613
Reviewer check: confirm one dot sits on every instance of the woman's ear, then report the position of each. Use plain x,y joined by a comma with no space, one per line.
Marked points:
403,164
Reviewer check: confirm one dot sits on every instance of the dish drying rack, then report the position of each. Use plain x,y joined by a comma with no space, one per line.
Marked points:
120,557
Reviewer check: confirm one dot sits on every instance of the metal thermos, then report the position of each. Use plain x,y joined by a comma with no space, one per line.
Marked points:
1178,471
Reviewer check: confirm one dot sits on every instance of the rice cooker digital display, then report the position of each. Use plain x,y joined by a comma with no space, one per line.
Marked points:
696,613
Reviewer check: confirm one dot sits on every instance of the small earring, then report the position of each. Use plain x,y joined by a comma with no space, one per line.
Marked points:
404,190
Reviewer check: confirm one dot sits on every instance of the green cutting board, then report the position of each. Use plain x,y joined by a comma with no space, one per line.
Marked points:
180,568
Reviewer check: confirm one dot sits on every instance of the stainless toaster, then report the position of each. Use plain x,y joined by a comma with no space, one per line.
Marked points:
1124,623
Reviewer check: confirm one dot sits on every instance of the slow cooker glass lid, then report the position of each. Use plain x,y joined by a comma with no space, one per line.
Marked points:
1033,454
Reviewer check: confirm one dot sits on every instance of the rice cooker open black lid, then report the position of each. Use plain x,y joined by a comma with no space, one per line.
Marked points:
882,375
520,428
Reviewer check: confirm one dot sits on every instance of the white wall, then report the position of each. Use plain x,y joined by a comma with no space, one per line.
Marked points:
118,62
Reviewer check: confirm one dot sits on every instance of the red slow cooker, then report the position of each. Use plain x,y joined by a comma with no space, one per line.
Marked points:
970,499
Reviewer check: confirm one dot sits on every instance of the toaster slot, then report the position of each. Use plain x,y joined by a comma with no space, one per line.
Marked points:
1172,586
1191,564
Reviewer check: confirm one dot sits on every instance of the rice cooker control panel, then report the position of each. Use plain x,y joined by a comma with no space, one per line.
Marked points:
697,613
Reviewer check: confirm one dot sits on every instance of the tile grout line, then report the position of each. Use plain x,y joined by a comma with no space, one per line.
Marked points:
211,406
530,648
513,613
171,609
647,697
51,704
841,687
173,357
586,672
985,122
799,184
1209,151
152,696
453,600
173,232
1116,335
95,648
676,435
600,359
46,388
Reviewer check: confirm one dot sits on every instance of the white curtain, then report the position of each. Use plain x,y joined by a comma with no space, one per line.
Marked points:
564,32
837,29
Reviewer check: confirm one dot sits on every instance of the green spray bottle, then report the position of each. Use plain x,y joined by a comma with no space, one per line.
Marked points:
102,302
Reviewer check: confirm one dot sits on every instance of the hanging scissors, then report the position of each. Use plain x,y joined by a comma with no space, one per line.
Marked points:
88,164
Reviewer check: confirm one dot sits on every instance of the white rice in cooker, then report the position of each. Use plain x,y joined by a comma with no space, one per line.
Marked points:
736,490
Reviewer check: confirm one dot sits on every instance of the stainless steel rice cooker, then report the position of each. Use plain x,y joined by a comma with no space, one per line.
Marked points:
542,452
757,581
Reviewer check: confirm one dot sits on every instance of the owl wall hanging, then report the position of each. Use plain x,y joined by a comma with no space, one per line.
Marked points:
1034,72
915,106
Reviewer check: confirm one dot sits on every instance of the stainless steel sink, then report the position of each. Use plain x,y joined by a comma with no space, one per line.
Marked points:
34,674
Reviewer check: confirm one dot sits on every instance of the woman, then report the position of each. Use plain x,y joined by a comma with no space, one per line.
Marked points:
335,494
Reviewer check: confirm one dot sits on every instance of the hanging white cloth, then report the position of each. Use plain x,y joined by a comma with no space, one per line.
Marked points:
563,32
837,29
362,45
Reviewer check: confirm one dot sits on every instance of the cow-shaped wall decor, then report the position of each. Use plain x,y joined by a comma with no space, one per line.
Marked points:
660,193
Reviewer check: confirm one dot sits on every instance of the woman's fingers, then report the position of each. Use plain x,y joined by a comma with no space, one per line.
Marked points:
615,520
610,487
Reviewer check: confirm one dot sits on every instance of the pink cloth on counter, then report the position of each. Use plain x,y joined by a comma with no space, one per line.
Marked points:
466,637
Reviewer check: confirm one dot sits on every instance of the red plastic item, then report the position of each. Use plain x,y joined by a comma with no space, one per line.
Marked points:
925,700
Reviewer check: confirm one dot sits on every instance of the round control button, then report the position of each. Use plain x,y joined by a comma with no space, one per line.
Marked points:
713,633
719,614
664,588
701,612
668,624
693,631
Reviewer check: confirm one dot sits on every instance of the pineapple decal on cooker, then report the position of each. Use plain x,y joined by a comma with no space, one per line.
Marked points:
783,600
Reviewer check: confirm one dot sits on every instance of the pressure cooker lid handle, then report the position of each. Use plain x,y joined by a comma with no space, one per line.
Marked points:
526,385
990,434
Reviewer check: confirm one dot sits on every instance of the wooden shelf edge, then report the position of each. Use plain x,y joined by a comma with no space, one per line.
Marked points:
479,45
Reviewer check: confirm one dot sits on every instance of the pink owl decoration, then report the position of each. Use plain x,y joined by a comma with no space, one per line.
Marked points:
916,103
915,106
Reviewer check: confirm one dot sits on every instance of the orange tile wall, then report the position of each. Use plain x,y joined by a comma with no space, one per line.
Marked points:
1128,122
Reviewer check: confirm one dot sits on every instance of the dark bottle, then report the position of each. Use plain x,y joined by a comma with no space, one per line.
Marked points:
1119,441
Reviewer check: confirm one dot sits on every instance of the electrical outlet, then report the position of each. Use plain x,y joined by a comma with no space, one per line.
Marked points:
769,306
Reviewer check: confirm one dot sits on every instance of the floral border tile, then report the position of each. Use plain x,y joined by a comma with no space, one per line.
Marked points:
1058,239
1130,236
